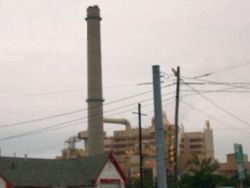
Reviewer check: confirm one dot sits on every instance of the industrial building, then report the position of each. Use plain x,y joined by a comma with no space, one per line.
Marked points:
124,144
97,168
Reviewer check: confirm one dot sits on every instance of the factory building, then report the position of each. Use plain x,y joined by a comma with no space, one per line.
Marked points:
125,146
91,167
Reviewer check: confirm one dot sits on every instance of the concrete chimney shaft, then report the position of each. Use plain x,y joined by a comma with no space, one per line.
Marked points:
95,98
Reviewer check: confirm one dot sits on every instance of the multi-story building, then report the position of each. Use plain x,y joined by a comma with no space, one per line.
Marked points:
125,144
197,143
230,167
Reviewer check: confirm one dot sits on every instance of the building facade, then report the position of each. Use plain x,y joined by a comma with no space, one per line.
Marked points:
125,146
230,167
197,143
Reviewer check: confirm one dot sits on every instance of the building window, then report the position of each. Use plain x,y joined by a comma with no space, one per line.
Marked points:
196,140
198,146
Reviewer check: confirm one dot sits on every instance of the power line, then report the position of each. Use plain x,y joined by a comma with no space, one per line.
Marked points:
224,90
118,100
222,70
205,91
218,106
68,113
211,82
56,126
218,128
76,111
81,121
225,128
37,131
40,119
44,148
60,92
215,118
238,85
42,94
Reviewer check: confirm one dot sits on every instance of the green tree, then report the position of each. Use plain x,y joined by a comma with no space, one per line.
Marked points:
246,182
201,173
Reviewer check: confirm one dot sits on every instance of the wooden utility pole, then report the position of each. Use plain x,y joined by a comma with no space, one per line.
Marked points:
140,145
177,74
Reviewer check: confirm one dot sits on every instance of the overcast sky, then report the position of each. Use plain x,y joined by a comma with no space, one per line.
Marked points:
43,67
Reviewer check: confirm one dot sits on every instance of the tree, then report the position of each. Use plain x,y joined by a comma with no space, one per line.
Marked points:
201,173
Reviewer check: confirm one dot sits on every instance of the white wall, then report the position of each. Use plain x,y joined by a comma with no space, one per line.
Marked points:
2,183
109,172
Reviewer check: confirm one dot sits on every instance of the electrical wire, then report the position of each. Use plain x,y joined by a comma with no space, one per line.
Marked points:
61,92
40,130
58,125
42,94
222,70
76,111
211,82
68,113
43,148
232,126
198,92
223,90
40,119
219,107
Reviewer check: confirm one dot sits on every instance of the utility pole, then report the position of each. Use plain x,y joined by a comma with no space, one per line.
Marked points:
177,74
140,145
161,169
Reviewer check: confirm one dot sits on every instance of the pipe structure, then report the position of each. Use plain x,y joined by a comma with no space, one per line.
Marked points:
71,141
95,99
84,135
118,121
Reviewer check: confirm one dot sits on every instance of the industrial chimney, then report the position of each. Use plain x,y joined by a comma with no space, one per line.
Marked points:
95,100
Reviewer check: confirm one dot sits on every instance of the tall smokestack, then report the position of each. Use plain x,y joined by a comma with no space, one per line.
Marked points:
95,99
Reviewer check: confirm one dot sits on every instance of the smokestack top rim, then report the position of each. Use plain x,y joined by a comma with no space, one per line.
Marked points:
93,12
94,6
